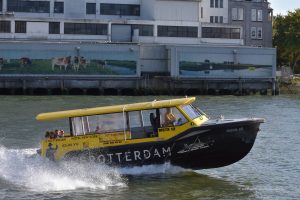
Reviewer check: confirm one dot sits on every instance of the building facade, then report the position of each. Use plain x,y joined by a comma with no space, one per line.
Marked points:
141,21
256,19
211,42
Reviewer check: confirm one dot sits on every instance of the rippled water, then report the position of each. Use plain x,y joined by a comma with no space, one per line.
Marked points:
271,169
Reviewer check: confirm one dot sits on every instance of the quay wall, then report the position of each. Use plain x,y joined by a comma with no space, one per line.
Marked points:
38,67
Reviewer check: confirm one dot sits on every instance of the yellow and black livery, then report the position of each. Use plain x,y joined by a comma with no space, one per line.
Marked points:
141,134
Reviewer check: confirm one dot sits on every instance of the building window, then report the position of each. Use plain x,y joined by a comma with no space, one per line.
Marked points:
144,30
120,9
253,15
253,32
20,27
212,3
5,27
85,29
0,5
216,3
58,7
216,32
90,8
54,27
177,31
216,19
259,15
259,33
240,14
28,6
237,14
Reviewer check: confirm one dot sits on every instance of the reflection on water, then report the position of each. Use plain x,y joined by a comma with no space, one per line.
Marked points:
186,185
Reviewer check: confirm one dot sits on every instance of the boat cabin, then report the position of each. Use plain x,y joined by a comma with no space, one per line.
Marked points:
140,124
125,124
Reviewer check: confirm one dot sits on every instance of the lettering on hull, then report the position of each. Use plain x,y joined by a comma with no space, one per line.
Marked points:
125,156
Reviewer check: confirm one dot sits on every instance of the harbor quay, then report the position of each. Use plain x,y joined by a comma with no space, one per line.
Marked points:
54,68
136,47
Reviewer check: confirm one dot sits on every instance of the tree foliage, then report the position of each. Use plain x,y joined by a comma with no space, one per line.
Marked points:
286,37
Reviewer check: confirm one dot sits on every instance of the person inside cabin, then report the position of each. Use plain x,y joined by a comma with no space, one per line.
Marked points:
169,118
153,123
97,129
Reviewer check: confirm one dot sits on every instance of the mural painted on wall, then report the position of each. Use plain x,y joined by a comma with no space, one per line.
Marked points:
67,65
226,69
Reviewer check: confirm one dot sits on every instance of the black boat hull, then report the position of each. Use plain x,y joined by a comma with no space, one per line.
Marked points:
214,144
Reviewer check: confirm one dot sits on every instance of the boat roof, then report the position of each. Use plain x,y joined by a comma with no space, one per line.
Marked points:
115,109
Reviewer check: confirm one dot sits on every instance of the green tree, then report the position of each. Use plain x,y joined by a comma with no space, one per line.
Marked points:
286,37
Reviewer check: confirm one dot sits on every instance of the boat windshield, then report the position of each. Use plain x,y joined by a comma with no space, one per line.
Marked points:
191,111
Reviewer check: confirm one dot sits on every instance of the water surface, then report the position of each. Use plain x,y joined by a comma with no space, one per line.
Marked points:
271,169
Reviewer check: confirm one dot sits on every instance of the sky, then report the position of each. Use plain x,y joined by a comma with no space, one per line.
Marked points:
283,6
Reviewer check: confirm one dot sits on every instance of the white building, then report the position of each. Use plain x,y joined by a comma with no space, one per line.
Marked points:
142,21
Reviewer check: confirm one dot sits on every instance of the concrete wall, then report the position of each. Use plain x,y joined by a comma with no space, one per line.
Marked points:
60,58
177,10
160,69
148,58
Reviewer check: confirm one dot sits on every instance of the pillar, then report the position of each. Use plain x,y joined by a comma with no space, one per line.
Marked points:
4,6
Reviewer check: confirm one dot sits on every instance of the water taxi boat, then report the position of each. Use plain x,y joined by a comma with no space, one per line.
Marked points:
157,132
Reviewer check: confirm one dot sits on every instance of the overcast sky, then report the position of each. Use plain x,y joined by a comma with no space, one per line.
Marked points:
283,6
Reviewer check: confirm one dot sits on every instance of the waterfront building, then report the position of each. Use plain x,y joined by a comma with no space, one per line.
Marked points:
143,21
181,39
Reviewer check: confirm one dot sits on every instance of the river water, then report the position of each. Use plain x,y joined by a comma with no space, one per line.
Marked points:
270,171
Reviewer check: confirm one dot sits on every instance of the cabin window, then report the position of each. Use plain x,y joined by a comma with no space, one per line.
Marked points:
172,117
106,123
135,119
80,125
144,123
147,117
191,111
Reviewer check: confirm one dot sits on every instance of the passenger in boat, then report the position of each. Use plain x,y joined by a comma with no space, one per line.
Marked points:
52,135
153,122
56,133
169,118
47,135
97,129
61,133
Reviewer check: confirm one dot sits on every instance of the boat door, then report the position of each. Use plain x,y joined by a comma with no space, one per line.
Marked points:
140,124
121,33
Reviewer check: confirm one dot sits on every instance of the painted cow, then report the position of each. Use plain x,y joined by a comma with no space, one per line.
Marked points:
1,63
61,62
24,61
79,61
102,63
